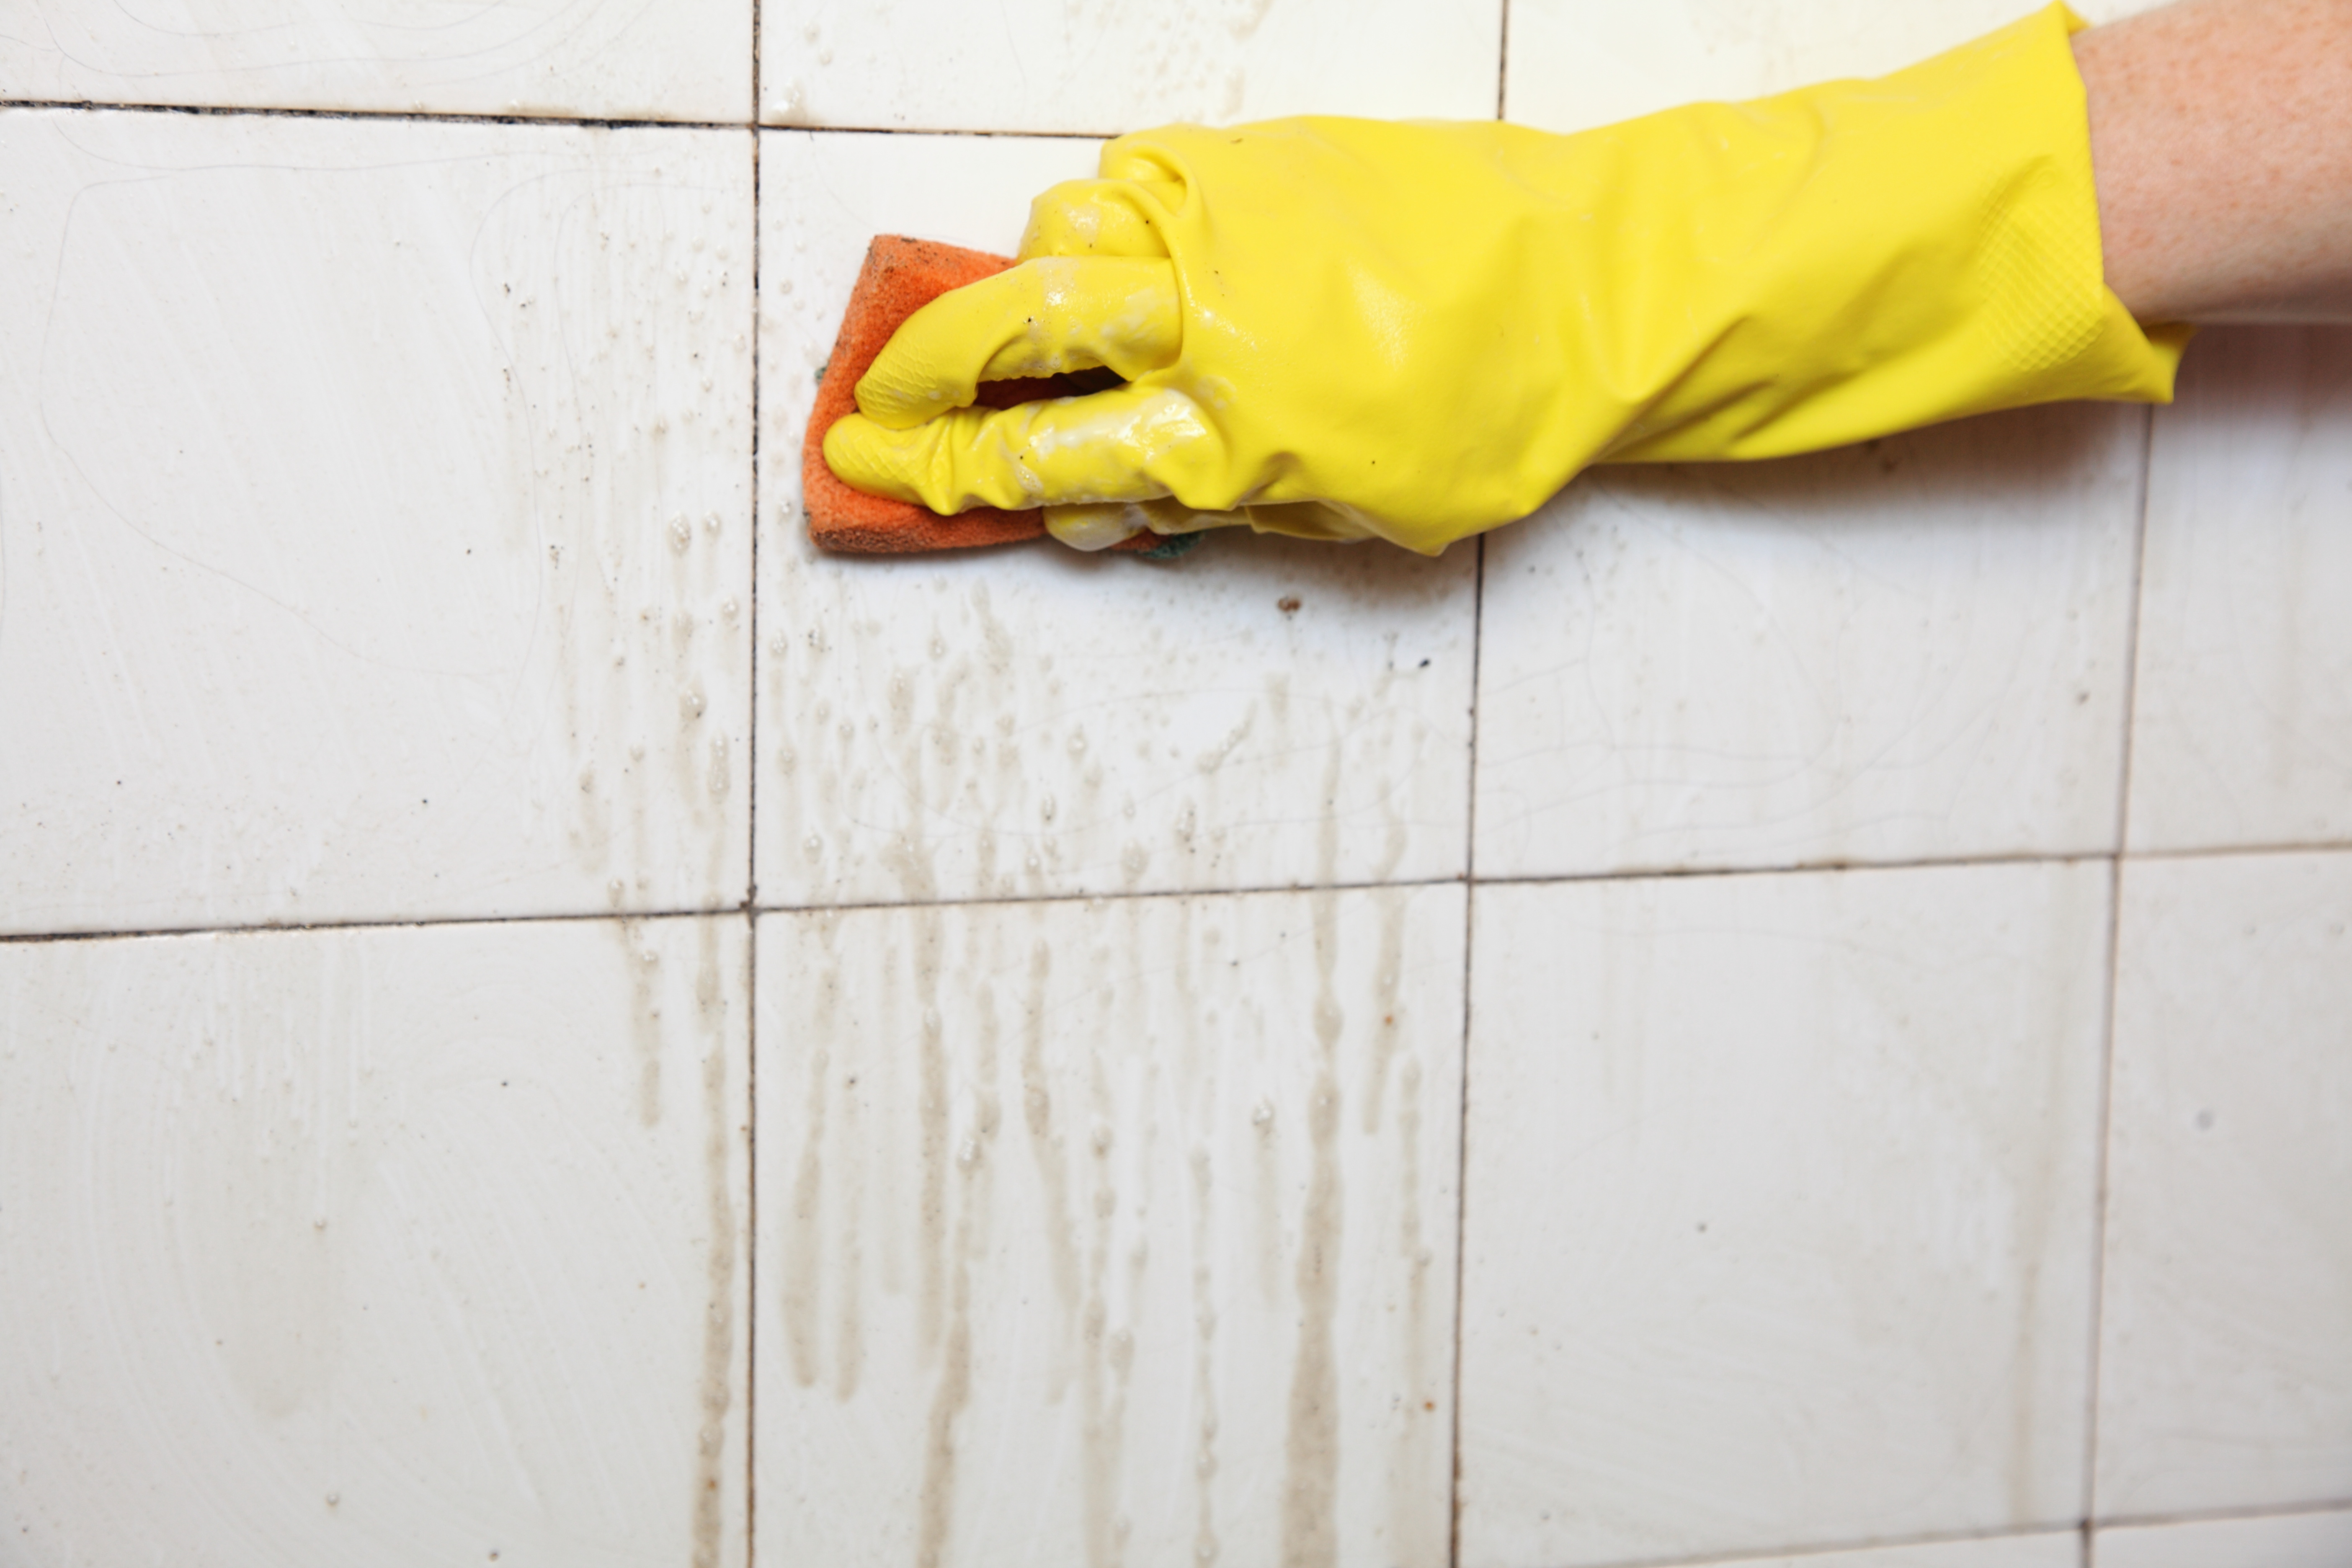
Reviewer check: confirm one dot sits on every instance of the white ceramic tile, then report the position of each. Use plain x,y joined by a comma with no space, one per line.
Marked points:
2225,1373
1031,720
678,59
1579,63
1120,64
374,520
2050,1548
2276,1540
2243,729
1909,649
1109,1232
1780,1211
377,1246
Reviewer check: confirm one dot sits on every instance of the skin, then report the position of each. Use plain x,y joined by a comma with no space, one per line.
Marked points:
2221,143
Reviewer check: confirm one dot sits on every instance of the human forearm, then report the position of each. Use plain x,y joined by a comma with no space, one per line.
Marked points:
2221,141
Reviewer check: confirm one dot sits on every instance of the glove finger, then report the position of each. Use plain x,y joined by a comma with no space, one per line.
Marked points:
1098,525
1044,315
1100,217
1124,445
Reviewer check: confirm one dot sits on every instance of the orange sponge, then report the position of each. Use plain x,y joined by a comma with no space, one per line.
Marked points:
901,276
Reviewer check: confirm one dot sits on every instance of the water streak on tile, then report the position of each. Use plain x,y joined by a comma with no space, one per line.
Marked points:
975,1170
1106,1351
849,1322
643,961
1099,1304
801,1292
1046,1148
718,1310
1310,1482
931,1091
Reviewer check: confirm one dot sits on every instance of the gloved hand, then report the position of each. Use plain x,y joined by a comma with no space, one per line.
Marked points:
1341,328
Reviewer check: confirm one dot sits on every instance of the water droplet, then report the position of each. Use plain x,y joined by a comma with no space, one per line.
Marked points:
1262,1114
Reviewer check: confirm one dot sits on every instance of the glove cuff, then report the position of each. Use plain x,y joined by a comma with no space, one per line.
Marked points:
1940,258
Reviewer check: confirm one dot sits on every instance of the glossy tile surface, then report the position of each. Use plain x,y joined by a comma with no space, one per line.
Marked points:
2275,1541
1123,65
1579,63
2243,734
374,501
1780,1203
678,59
1911,649
2225,1373
1109,1232
1030,720
375,1248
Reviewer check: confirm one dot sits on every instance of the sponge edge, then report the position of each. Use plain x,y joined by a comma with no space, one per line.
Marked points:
901,276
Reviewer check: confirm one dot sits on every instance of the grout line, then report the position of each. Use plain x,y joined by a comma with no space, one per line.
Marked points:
2101,1152
575,121
750,1236
1462,1108
426,922
2131,635
2224,1515
752,903
2243,851
1768,1557
1256,890
943,131
1503,63
267,111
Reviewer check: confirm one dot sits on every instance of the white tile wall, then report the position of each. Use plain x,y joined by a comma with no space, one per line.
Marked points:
1574,64
2225,1373
2243,730
1110,1232
1030,720
2275,1541
1780,1197
377,524
376,1247
1117,64
1912,649
1106,1226
678,59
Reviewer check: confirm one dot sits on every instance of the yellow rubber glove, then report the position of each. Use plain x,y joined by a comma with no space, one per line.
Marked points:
1341,328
